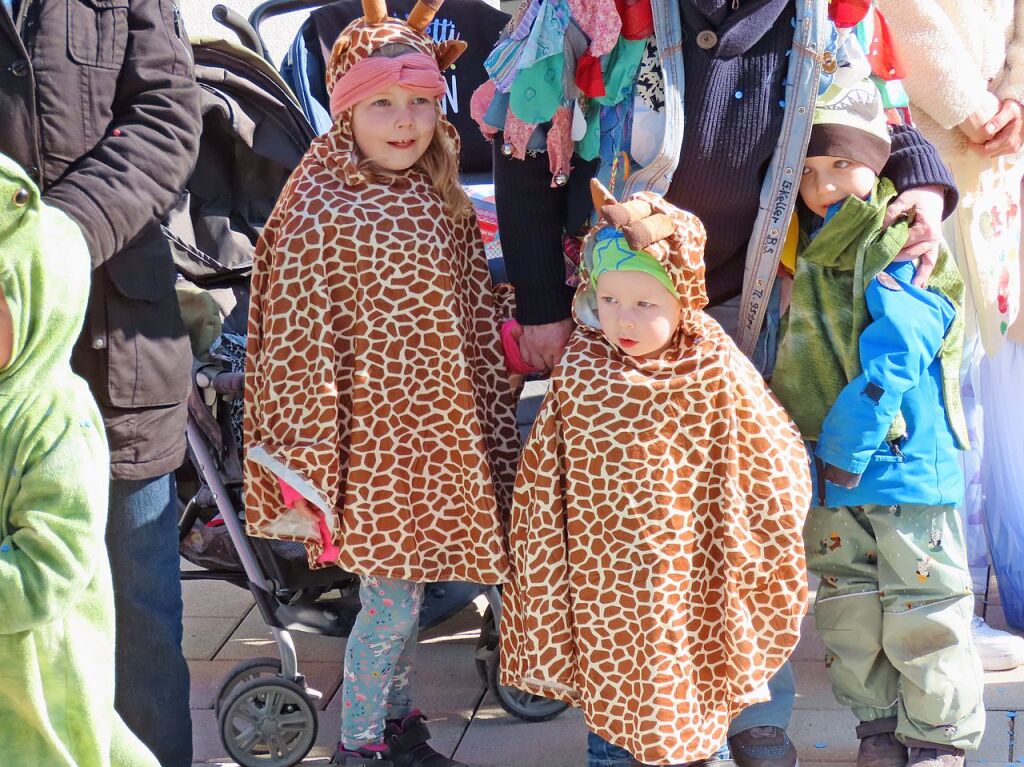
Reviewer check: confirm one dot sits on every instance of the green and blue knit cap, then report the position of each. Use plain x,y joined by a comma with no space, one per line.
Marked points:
849,122
611,253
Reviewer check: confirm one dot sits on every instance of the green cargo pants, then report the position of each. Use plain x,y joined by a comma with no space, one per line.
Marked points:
894,609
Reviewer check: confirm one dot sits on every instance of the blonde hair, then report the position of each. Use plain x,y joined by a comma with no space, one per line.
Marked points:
440,161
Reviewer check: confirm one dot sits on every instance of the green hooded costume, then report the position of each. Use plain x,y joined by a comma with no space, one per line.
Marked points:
819,337
56,602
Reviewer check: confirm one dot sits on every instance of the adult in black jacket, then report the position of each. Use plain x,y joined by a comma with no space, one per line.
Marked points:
98,104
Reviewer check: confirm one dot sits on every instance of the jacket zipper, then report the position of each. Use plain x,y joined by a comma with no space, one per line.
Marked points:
178,27
19,24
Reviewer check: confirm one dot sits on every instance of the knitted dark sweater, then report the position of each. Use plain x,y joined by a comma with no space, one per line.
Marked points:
734,109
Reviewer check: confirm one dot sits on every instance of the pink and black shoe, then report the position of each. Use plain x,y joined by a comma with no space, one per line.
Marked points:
367,756
406,740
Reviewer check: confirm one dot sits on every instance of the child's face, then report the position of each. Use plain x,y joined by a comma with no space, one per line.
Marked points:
6,331
828,180
637,313
394,127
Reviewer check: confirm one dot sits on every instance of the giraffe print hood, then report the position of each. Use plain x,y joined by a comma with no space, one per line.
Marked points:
359,40
655,541
375,384
681,254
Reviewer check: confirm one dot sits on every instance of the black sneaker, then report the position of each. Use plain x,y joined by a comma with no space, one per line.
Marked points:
368,756
406,740
762,747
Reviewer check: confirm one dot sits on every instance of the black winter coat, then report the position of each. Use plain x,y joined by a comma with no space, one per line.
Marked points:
98,103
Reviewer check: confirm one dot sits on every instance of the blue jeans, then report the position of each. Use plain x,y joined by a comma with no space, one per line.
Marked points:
601,753
152,681
782,687
775,712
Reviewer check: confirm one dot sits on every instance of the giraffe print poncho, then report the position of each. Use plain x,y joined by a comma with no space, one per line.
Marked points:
375,385
657,561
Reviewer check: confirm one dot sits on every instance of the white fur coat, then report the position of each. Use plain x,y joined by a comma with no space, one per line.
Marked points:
960,56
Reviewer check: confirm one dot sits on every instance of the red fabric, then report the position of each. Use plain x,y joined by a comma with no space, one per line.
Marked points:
331,551
560,144
637,18
288,493
589,77
882,53
480,103
848,13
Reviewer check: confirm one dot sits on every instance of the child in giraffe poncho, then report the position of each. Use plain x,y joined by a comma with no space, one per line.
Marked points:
655,539
379,422
868,366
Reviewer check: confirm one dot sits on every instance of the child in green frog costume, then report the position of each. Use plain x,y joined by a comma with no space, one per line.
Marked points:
56,603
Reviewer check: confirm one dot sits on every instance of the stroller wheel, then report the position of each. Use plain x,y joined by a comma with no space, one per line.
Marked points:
523,705
268,722
246,671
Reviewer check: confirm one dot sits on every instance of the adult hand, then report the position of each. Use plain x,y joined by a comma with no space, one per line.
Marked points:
974,127
1006,130
542,345
926,203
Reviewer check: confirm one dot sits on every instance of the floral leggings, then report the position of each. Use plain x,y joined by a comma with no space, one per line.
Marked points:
378,659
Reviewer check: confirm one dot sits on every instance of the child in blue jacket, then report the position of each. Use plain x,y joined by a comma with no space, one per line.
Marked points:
867,367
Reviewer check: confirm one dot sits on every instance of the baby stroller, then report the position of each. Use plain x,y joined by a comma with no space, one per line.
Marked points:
254,133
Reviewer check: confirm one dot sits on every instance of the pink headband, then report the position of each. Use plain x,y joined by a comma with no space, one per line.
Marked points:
416,71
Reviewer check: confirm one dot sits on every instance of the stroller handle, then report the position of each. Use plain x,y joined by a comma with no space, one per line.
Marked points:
270,8
246,32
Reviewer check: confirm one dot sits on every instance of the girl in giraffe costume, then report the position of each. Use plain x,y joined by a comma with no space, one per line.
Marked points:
655,538
379,422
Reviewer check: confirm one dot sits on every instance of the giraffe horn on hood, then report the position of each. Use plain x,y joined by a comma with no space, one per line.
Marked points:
423,13
624,213
375,11
600,195
448,51
641,234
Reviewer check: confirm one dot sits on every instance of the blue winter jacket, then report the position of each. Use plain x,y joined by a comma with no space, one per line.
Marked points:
901,372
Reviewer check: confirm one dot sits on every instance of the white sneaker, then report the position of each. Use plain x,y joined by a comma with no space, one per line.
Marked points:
999,650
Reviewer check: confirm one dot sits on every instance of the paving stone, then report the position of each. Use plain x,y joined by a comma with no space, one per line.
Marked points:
813,689
204,637
828,737
215,599
498,740
252,639
811,648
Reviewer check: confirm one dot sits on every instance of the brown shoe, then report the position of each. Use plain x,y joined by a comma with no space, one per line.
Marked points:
878,745
762,747
936,756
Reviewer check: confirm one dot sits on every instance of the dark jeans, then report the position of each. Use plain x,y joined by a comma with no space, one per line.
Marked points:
151,674
601,753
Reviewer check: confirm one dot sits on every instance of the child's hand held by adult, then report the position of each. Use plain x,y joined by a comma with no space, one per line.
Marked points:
542,345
